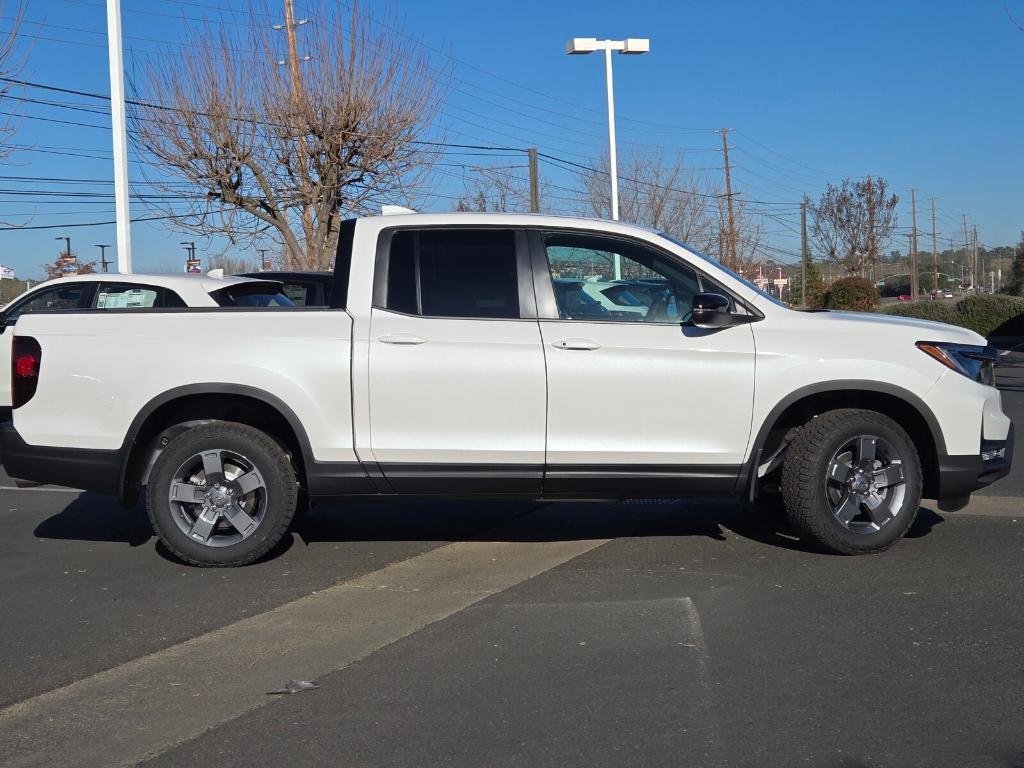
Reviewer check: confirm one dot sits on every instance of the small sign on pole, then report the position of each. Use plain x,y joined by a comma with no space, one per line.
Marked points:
193,267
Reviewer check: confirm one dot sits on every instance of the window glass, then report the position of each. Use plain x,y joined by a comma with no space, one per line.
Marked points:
454,273
626,281
251,295
70,296
402,273
124,296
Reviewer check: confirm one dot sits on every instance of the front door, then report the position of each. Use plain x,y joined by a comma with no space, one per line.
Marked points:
639,400
457,390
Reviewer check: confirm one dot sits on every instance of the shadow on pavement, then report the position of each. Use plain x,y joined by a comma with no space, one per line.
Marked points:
91,517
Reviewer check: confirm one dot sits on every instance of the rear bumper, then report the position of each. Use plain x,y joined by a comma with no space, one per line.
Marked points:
960,476
90,470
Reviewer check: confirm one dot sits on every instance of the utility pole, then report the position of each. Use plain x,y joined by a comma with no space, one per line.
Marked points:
967,247
728,196
303,150
534,182
913,245
935,253
103,256
871,243
803,253
978,276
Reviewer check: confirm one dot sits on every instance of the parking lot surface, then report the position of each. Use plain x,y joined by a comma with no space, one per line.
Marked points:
649,633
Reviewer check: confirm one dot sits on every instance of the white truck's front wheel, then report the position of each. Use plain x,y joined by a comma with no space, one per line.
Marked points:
851,481
221,494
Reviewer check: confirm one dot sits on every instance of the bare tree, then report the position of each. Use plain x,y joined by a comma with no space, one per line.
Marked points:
498,188
656,190
10,67
266,148
852,222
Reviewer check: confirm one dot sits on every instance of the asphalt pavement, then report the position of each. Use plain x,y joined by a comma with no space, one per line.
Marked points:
661,633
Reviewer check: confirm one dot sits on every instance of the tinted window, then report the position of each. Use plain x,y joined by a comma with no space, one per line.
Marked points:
630,283
251,295
453,273
70,296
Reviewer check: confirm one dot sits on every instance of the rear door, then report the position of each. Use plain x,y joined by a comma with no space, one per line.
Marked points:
639,400
456,367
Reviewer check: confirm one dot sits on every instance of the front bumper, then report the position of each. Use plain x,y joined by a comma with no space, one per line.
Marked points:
960,476
88,469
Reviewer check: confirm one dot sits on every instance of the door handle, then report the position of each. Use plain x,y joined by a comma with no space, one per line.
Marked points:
402,339
583,344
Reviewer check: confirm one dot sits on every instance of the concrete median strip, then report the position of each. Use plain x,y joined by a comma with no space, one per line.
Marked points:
136,710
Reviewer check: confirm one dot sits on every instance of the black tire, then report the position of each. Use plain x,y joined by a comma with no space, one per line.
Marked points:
241,448
817,506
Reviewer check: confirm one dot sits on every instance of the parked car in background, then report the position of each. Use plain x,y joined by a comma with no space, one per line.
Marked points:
109,292
947,295
304,289
905,297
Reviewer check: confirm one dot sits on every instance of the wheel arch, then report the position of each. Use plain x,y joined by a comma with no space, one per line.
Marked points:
904,407
175,410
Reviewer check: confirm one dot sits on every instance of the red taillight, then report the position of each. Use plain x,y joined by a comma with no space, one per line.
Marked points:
25,366
26,356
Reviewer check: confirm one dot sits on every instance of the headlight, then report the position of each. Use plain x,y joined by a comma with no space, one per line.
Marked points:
977,363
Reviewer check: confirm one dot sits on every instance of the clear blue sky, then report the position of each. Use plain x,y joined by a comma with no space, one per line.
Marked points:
924,93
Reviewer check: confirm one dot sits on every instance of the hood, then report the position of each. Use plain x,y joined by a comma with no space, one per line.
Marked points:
923,330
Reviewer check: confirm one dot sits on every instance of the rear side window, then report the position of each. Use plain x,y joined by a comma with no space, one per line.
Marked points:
453,273
251,295
131,296
307,293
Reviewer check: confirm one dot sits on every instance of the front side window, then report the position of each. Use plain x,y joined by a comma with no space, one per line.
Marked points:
453,273
59,297
603,278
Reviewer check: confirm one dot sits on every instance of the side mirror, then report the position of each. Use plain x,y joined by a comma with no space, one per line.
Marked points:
711,310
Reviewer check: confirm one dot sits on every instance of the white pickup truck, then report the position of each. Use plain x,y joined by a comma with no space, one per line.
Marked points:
462,356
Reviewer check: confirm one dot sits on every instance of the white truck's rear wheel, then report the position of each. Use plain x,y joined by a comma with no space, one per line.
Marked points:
851,481
221,494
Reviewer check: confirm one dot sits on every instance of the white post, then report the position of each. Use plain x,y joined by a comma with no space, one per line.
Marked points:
120,134
612,160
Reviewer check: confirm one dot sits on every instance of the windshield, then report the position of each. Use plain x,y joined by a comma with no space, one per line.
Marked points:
721,266
262,294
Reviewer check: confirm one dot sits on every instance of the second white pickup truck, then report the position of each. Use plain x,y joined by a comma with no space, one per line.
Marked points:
503,355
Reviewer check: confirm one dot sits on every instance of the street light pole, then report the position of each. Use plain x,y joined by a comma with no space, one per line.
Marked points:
120,137
633,45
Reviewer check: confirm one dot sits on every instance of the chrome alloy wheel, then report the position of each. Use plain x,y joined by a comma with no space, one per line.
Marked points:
217,497
865,486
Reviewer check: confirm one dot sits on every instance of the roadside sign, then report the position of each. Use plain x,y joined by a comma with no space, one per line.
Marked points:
193,267
6,273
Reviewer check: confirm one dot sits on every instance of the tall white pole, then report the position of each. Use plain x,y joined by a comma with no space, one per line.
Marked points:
612,162
120,133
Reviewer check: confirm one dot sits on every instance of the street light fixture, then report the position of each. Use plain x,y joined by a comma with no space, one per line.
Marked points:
103,255
632,46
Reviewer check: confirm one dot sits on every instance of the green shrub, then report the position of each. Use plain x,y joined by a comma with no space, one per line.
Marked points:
857,294
997,315
939,311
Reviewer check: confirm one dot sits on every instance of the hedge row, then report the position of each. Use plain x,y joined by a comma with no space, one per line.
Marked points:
989,315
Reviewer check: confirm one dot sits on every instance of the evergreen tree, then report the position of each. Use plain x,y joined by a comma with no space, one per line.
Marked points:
815,286
1016,285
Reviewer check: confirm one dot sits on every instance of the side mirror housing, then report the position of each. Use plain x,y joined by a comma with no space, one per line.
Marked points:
711,310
